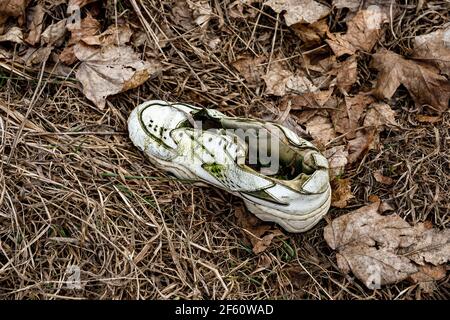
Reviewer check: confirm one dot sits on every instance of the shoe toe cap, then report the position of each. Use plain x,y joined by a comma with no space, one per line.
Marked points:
318,182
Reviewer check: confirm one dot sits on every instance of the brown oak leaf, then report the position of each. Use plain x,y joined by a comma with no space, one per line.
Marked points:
363,32
299,11
311,34
379,177
251,68
74,5
379,116
341,193
363,142
382,250
346,116
337,160
35,23
434,48
423,81
279,81
346,73
321,129
12,8
110,70
14,34
259,233
54,33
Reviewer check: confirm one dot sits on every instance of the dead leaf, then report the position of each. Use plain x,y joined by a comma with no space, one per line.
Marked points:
362,143
346,116
264,261
337,160
363,32
379,249
12,8
431,246
359,226
429,273
54,33
428,119
373,198
37,56
241,9
379,177
434,48
14,34
346,73
374,267
35,23
213,43
292,123
341,193
423,82
201,11
67,56
299,11
320,65
182,15
385,206
117,35
236,9
262,244
280,81
427,276
259,233
307,100
311,34
251,68
250,222
380,116
5,54
89,26
321,129
110,70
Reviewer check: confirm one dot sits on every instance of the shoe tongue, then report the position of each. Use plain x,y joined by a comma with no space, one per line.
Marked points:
200,119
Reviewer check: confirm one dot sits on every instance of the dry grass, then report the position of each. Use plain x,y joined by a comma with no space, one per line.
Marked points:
73,190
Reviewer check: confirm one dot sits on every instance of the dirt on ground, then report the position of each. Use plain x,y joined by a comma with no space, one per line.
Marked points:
77,197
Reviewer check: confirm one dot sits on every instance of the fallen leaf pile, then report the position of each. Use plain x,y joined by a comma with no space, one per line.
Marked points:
105,63
299,11
384,249
423,81
320,89
323,89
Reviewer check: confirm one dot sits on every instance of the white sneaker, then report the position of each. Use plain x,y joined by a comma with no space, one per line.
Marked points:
281,177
